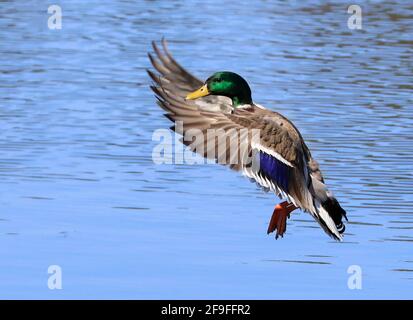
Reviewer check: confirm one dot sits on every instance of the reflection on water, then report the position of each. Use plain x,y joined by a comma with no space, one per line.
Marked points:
79,188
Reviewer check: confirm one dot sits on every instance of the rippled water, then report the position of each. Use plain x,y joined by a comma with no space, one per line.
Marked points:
79,189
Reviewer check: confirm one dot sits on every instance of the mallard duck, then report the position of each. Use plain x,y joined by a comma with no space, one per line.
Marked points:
283,162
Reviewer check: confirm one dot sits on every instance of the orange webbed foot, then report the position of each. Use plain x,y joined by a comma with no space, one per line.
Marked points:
279,218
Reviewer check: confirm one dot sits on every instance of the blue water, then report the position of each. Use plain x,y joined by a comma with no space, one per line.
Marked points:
79,189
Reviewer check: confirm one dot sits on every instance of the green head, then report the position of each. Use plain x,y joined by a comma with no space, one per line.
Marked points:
225,83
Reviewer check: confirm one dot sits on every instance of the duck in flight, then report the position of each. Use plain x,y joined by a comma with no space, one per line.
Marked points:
280,161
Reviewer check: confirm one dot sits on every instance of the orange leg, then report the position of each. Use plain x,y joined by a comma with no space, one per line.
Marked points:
279,218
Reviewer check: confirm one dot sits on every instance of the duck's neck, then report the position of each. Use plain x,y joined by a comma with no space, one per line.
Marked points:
241,99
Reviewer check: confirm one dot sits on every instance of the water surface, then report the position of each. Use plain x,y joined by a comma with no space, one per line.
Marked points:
79,188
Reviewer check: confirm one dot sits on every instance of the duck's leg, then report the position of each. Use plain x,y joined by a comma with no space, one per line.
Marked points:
279,218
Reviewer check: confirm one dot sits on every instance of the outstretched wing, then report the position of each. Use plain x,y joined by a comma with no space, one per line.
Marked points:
276,159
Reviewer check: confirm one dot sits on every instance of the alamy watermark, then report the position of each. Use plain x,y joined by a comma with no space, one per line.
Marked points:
55,20
54,280
354,281
232,146
354,22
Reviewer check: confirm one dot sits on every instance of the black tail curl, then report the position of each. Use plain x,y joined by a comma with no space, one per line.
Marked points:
336,212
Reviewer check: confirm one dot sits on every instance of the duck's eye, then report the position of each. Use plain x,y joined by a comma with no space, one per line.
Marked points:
218,80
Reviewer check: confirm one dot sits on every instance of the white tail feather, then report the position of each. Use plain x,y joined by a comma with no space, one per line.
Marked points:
326,222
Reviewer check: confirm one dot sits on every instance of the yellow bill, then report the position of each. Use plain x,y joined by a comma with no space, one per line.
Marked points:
201,92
